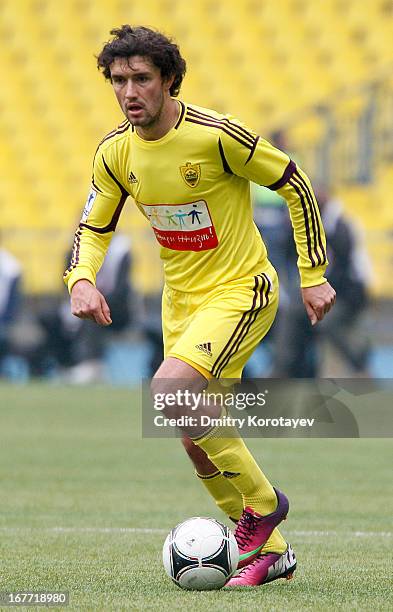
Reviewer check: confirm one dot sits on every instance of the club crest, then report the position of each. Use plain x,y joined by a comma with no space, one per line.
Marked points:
191,174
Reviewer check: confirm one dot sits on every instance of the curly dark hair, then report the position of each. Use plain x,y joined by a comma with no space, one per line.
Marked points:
161,51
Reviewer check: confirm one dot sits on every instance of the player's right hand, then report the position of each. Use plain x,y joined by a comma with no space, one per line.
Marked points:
88,303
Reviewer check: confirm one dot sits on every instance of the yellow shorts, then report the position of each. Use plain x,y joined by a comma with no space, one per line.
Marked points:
216,332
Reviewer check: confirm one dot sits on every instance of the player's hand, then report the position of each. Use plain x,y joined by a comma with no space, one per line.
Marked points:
318,301
88,303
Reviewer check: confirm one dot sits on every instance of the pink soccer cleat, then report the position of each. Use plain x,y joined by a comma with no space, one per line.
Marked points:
266,568
253,530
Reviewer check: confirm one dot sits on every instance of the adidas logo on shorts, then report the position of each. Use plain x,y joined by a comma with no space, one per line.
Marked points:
205,347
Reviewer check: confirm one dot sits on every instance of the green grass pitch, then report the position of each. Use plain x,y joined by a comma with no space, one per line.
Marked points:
86,504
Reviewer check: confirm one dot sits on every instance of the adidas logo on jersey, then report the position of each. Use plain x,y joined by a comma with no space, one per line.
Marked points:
205,347
132,178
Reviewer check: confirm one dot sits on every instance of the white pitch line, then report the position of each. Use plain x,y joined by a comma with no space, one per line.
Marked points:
85,529
107,529
356,534
310,533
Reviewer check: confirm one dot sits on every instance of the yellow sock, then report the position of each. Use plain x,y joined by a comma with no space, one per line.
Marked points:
233,459
275,543
230,501
227,498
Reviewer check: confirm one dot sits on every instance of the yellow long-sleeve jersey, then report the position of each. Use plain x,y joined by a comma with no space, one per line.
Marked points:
193,185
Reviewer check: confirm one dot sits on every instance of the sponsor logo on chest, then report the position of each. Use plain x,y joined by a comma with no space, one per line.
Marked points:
182,227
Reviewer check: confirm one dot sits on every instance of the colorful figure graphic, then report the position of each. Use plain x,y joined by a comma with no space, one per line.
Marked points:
155,217
195,214
182,226
170,217
180,215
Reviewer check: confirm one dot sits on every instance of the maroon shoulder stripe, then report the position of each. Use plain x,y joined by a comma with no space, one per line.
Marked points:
113,132
122,128
252,150
306,223
239,128
289,170
224,122
220,127
313,207
182,111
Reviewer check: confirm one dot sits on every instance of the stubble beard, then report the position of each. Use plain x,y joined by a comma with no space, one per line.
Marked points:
150,120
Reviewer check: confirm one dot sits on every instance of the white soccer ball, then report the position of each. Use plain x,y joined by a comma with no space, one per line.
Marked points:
200,554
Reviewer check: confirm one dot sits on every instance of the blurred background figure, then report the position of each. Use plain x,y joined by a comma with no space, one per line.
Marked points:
152,332
298,345
10,301
351,272
73,348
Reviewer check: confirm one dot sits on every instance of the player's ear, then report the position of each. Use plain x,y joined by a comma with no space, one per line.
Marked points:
168,82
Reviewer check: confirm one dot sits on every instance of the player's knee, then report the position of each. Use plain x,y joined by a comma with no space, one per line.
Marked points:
174,381
160,390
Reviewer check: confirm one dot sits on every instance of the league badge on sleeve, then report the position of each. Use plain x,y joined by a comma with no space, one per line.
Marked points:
89,204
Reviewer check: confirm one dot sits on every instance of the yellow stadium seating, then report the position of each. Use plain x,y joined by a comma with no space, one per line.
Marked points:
267,61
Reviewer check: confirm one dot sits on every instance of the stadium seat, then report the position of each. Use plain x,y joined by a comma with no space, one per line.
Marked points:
270,63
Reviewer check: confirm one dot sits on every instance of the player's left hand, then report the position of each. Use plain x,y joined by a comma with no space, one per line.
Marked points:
318,301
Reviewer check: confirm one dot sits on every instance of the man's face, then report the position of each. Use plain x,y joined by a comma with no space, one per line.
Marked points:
140,89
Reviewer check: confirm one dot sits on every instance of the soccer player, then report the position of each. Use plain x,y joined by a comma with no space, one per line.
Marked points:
188,170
